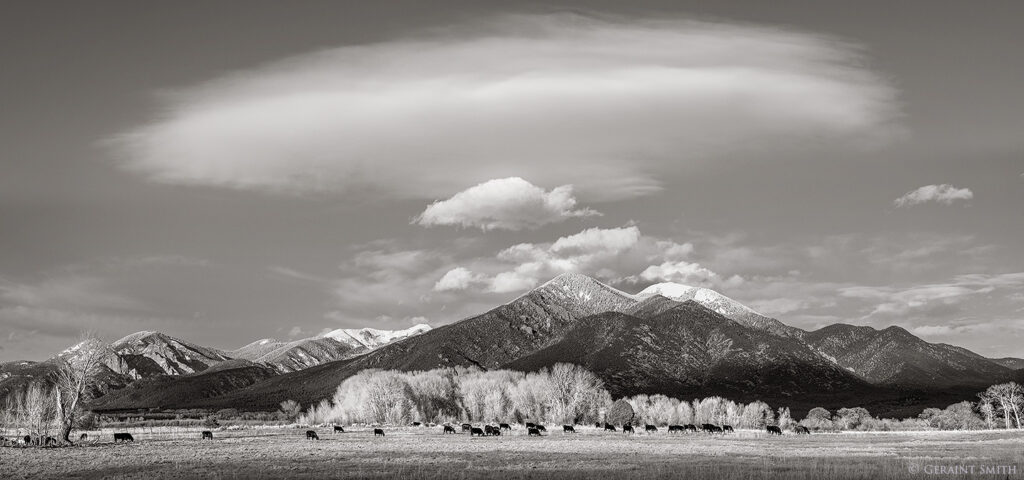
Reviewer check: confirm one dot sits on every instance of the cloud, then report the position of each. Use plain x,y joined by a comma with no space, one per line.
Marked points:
945,194
507,203
458,278
686,273
615,107
620,255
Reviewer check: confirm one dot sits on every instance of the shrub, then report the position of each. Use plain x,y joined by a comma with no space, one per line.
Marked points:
621,413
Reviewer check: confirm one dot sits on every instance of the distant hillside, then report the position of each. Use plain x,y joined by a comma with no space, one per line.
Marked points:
894,356
184,391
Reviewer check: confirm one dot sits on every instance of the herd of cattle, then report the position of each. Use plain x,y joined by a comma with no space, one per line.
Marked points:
532,430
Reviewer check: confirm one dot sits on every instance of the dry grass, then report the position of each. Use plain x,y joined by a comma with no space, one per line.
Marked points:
425,453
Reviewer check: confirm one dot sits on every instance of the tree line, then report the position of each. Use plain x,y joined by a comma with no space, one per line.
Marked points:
570,394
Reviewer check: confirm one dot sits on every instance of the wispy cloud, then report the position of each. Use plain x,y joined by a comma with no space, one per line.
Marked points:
615,107
945,194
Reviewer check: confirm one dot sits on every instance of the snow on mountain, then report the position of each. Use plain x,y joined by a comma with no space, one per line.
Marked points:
722,304
144,354
372,338
705,296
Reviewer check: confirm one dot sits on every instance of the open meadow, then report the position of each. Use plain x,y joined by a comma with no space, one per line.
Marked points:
426,453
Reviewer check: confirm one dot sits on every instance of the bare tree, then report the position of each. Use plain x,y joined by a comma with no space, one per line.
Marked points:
75,372
1009,397
291,409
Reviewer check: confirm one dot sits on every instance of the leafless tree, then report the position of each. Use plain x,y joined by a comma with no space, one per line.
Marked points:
75,371
1009,397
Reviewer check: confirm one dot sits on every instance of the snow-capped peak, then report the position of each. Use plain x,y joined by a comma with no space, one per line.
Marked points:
704,296
371,337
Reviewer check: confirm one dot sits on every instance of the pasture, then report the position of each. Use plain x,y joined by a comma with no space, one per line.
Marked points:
422,452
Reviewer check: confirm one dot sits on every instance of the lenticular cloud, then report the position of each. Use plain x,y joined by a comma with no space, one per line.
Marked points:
613,107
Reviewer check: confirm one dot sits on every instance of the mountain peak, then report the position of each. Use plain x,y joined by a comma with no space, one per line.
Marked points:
705,296
371,337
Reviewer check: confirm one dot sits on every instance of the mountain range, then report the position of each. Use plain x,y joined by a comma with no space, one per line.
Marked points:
672,339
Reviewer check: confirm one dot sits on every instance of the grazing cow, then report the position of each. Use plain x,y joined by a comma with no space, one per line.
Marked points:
27,439
416,424
83,437
598,425
311,435
496,432
123,437
708,428
650,428
466,427
675,428
476,431
50,441
533,432
627,428
541,428
801,430
207,434
568,429
609,427
448,429
689,427
489,430
530,425
773,430
339,429
727,428
505,426
378,432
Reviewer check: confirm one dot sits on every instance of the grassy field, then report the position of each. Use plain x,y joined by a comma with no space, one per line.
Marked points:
425,453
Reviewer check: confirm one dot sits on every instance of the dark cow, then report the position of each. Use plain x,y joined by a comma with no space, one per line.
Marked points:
83,437
773,430
650,428
311,435
568,429
27,439
609,427
598,425
416,424
50,441
489,430
709,428
448,429
466,427
207,434
378,432
627,428
339,429
801,430
530,425
690,427
675,428
505,426
476,431
541,428
123,437
533,432
727,428
496,432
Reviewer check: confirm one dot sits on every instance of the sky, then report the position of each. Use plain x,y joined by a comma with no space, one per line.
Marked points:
229,171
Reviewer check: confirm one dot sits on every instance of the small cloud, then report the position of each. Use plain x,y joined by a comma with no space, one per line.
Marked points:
295,331
506,204
459,278
945,194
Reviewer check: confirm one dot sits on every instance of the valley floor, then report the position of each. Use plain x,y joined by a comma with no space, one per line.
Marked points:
425,453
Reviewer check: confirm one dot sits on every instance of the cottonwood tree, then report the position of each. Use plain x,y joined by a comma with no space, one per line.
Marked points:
75,372
1009,398
290,409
